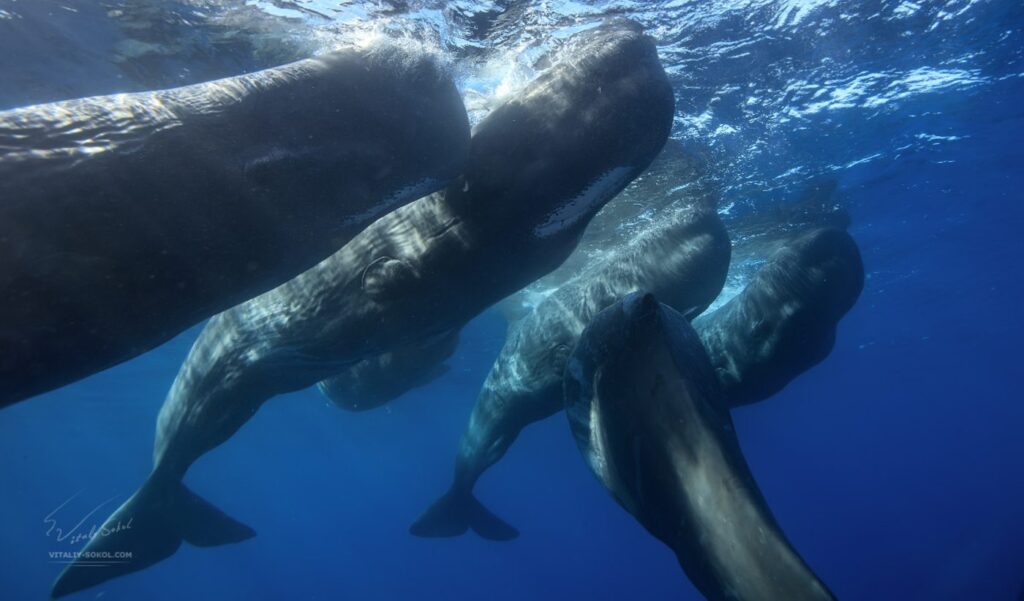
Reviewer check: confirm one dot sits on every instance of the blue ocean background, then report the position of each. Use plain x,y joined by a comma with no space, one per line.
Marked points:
896,466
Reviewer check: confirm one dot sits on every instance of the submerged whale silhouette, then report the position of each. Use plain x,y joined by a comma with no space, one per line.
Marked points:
685,259
782,324
540,166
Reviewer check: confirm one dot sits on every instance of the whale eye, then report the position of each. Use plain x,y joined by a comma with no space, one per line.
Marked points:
759,329
560,354
386,275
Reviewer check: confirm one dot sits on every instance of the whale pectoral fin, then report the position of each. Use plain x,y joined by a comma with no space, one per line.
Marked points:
146,529
454,513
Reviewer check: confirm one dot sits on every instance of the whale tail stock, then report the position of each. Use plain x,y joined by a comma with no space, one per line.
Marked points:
147,528
455,512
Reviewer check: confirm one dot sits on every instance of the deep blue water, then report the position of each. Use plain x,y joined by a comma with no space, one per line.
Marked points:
896,467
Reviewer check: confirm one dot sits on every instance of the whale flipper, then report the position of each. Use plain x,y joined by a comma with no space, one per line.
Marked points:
454,513
149,526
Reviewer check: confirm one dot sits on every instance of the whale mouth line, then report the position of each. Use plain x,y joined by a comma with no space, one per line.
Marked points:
595,195
396,198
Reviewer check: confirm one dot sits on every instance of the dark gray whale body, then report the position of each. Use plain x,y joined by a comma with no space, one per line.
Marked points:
652,424
125,219
676,179
784,321
685,259
539,167
782,324
375,381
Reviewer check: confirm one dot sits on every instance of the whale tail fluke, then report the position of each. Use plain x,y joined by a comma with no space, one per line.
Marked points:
206,526
147,528
454,513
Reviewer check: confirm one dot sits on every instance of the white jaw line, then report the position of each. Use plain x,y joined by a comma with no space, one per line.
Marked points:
582,204
398,197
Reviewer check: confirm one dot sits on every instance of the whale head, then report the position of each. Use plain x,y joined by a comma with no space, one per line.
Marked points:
784,322
550,157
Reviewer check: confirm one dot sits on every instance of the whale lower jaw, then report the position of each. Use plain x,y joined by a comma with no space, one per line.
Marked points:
586,203
394,200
